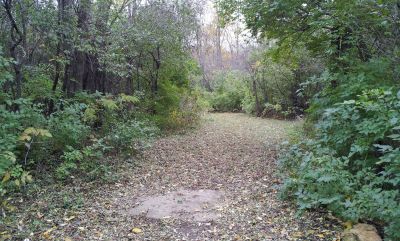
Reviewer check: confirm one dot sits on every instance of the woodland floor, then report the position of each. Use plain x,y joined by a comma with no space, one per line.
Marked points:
217,182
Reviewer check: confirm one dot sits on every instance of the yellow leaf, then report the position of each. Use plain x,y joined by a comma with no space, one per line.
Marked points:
29,178
69,218
6,177
90,114
348,225
298,234
30,130
5,237
109,104
44,133
6,205
25,137
8,155
136,230
46,234
67,239
129,98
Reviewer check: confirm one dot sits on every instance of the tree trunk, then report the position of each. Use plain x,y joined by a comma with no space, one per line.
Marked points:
15,42
156,68
257,101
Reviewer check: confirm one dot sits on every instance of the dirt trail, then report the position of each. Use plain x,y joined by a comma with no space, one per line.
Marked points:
215,183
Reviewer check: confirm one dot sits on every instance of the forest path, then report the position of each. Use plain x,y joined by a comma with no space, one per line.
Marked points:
231,159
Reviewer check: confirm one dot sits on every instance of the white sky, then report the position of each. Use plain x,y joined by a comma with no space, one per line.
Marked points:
210,14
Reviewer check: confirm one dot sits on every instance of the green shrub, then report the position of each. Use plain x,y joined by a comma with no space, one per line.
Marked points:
227,101
132,136
102,112
352,165
39,83
93,165
68,128
202,98
5,76
176,107
229,92
248,104
70,158
15,149
87,163
13,125
277,111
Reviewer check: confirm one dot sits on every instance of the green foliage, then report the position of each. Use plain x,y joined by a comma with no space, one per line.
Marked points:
39,84
86,163
70,159
248,102
176,107
60,142
376,73
68,128
203,99
102,112
129,99
337,30
352,166
5,75
229,92
132,136
16,139
277,75
84,85
94,165
273,86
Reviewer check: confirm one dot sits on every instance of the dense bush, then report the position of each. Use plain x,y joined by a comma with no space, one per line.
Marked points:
72,140
229,91
68,127
271,87
177,107
132,136
248,102
352,165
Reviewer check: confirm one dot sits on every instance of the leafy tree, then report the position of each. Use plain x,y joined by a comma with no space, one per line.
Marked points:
354,111
83,79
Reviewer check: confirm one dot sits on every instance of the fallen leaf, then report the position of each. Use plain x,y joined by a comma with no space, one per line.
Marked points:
297,234
348,225
46,234
39,215
136,230
69,218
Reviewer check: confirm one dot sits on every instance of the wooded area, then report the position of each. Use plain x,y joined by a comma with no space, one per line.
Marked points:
339,60
88,85
84,80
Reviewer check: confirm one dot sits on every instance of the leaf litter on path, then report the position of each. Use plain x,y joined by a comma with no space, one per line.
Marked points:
231,156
